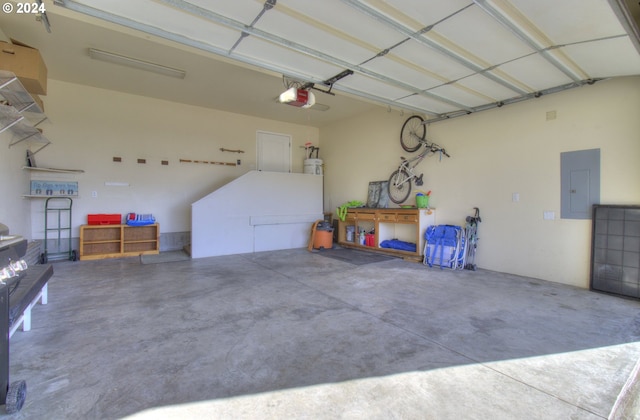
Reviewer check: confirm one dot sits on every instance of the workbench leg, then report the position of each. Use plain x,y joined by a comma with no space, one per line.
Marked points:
26,318
45,294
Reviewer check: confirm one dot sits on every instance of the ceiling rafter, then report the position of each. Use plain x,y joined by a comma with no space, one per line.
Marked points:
294,46
457,54
516,99
387,52
161,33
268,5
440,59
532,36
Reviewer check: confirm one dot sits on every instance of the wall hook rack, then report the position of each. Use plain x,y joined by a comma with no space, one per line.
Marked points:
208,162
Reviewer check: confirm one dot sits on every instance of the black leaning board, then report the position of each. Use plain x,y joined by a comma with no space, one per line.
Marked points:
615,250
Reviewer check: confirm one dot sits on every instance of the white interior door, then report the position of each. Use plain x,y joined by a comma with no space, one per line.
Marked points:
274,152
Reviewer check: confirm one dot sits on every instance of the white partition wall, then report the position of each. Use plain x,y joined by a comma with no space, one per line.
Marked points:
260,211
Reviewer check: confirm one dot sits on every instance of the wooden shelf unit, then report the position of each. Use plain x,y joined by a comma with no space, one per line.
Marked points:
115,241
406,225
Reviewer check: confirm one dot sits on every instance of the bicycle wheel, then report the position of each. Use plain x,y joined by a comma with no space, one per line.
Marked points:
413,132
399,186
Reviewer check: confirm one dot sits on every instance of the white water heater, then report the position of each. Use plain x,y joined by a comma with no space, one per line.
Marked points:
313,166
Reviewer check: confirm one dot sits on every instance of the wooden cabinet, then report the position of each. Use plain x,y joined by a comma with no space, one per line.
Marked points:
115,241
407,225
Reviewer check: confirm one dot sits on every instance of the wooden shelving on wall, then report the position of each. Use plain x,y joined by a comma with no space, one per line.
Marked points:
115,241
64,171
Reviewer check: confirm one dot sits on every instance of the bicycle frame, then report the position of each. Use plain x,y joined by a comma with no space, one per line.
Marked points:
407,166
399,185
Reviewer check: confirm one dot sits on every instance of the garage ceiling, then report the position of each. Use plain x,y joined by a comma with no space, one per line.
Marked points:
440,58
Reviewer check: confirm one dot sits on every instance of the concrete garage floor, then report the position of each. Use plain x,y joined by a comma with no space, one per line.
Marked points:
293,334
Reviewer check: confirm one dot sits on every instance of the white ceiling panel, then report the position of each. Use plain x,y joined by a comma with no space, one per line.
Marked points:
122,7
487,87
547,77
283,25
473,53
462,96
482,36
242,11
569,21
188,26
431,60
345,19
409,75
426,12
606,58
424,102
280,57
372,87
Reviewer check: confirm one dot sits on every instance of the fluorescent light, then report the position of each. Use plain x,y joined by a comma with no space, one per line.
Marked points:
135,63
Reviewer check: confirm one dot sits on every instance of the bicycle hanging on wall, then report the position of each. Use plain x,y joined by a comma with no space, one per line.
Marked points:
412,137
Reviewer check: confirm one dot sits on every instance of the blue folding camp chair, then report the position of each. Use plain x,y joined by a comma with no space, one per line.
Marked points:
445,246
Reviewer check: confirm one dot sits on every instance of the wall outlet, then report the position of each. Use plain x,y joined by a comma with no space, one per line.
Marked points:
94,194
238,162
515,197
548,215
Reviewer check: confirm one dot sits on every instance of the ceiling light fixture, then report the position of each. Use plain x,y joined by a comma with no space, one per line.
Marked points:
135,63
301,98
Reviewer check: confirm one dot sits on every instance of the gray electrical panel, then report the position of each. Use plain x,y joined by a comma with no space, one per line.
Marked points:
580,183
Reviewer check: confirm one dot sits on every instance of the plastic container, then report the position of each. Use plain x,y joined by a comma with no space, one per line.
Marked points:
323,239
351,230
422,201
324,225
104,219
370,239
313,166
134,219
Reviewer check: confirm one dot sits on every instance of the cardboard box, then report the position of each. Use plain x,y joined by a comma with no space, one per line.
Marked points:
38,100
27,64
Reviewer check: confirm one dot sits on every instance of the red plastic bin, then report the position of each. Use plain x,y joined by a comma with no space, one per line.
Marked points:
370,239
104,219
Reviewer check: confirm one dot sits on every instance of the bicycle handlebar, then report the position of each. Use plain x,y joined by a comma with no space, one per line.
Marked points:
433,148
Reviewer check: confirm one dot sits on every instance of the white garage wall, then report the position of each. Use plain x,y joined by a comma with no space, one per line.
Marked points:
89,126
13,184
500,152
